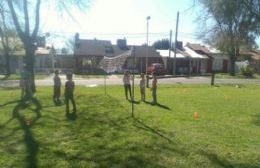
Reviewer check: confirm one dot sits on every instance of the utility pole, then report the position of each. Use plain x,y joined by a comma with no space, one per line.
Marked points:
170,48
175,45
146,60
133,84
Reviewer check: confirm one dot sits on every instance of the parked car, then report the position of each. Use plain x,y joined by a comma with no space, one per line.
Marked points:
156,68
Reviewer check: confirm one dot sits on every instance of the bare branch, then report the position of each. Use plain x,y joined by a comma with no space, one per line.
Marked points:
37,20
26,17
15,20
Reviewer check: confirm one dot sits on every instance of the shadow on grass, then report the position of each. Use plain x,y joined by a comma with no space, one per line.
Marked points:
30,142
159,105
216,160
10,102
134,101
145,127
71,116
6,123
256,119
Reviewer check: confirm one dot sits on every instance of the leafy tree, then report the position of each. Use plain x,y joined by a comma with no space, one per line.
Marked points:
69,45
9,40
230,25
26,18
5,33
162,44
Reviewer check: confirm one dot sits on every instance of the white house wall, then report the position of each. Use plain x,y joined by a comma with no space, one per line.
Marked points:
217,64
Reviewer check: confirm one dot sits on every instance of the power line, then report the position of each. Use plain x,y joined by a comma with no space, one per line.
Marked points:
189,8
62,34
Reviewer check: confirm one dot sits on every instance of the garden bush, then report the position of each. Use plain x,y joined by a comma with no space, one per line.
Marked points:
247,71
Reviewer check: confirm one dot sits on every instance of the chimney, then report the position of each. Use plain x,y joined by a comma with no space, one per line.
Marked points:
121,43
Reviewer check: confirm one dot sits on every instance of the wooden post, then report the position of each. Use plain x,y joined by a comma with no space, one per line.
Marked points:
212,78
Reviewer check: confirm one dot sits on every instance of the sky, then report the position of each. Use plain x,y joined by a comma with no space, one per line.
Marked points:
117,19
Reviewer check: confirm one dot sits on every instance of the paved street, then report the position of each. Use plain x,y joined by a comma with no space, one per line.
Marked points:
115,80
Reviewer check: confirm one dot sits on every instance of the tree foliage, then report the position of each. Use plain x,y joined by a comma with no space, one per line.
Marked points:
230,25
26,19
162,44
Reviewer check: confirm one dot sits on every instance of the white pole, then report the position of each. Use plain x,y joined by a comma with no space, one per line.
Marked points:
146,62
175,50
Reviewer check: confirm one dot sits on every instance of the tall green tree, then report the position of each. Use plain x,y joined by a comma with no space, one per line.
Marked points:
26,18
230,25
162,44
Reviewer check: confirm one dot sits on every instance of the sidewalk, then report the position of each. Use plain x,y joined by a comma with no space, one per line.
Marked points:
115,80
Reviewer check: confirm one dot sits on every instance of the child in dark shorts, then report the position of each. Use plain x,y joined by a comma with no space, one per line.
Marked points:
69,91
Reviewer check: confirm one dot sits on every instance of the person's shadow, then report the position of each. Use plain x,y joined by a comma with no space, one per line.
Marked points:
58,103
134,101
71,116
141,125
159,105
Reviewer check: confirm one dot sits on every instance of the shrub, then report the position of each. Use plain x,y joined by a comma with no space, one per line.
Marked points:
247,71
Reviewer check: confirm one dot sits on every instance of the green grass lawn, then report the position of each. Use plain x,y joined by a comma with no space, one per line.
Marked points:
103,134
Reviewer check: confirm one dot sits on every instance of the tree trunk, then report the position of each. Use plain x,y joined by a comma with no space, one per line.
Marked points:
7,64
29,61
232,57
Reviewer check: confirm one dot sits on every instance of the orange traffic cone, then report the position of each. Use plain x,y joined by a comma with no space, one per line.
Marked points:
196,115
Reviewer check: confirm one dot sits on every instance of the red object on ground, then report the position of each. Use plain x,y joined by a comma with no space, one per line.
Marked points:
156,68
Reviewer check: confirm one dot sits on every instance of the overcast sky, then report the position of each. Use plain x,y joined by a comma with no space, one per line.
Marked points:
113,19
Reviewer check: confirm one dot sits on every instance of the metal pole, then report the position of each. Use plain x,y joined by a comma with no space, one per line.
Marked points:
170,49
105,83
146,61
52,58
133,84
175,50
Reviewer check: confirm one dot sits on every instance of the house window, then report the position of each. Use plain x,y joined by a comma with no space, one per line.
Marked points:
86,62
109,50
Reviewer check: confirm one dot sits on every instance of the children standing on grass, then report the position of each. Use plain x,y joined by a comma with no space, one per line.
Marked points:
56,88
142,87
69,89
154,88
127,85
